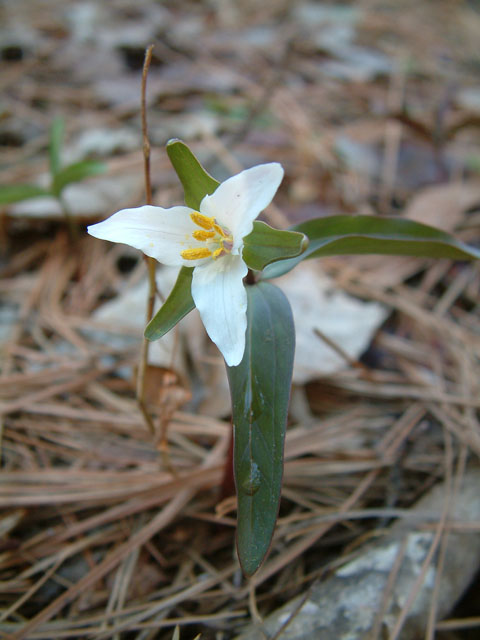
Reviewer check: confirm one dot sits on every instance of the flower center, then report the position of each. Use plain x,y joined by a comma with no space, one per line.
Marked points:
218,241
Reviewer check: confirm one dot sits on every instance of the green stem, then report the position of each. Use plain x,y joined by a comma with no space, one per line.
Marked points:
67,214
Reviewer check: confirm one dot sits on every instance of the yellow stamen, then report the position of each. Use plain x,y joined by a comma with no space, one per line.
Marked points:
196,254
203,235
218,252
202,221
219,230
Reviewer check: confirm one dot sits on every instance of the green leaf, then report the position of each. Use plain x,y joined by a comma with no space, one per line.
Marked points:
76,173
175,307
260,390
265,245
340,235
55,145
196,182
10,193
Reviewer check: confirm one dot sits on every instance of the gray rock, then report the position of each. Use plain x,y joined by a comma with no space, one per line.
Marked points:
346,606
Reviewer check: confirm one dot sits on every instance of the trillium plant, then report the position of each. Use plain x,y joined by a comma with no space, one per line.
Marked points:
227,260
209,240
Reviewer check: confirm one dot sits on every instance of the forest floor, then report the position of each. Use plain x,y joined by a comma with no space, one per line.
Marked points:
372,107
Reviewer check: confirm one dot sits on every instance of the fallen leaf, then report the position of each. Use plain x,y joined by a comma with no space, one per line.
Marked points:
444,206
94,197
318,306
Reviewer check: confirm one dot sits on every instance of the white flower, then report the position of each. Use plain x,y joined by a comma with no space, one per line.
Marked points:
211,240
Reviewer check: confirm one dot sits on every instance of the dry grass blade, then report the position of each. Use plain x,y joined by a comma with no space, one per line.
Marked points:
98,537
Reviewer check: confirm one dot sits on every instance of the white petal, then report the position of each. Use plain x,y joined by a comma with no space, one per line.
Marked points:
221,299
238,201
160,233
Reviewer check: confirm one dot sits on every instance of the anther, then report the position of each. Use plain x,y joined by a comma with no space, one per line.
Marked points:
196,254
218,253
202,221
201,235
219,230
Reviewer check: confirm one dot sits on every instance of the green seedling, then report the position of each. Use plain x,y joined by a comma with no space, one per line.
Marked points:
60,176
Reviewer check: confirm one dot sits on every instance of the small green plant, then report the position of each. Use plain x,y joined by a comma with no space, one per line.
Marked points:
227,262
60,177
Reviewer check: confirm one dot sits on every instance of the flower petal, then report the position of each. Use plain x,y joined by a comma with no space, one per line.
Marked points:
238,201
220,297
160,233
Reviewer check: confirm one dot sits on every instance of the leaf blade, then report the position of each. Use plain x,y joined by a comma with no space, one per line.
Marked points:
55,145
11,193
265,245
178,304
260,390
76,173
196,182
355,235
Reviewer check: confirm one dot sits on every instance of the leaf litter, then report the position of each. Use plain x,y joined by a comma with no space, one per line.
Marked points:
100,537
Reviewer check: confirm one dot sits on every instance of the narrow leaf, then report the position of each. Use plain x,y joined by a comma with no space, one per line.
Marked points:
196,182
55,145
76,173
10,193
265,245
340,235
260,390
175,307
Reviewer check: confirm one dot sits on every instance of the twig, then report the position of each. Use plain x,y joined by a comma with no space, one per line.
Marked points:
393,136
439,533
339,351
146,142
432,616
152,287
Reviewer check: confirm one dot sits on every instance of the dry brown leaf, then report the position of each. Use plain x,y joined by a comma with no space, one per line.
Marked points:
444,206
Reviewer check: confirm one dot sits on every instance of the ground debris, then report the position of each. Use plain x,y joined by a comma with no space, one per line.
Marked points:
105,531
393,579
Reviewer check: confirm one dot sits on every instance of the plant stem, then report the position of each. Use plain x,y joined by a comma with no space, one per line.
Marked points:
67,214
142,367
250,277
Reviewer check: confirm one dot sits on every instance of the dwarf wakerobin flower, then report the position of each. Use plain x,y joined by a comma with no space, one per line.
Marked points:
211,240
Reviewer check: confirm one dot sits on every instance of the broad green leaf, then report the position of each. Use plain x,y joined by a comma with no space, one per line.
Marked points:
260,390
265,245
175,307
196,182
340,235
76,173
10,193
55,145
